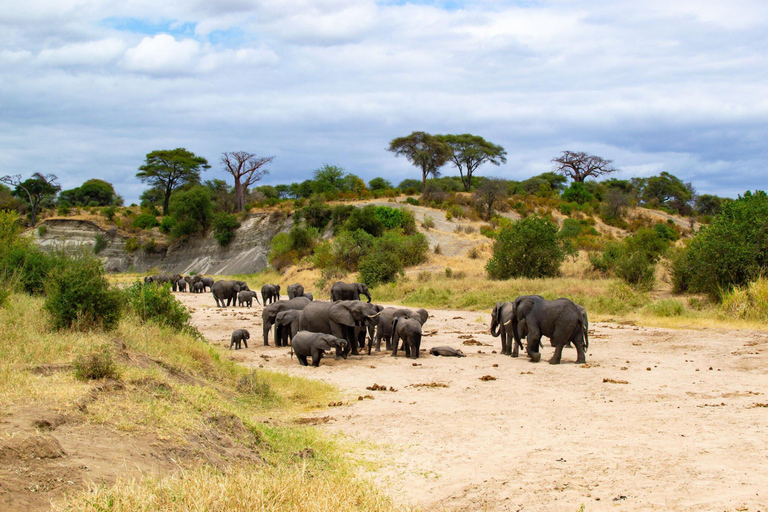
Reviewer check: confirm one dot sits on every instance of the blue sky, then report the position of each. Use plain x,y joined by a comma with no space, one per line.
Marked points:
87,89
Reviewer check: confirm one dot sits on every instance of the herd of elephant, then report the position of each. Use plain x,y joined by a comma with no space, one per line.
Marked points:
312,327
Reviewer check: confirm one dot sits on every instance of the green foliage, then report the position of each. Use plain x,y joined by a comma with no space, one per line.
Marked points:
380,267
665,190
665,232
170,169
529,248
316,214
571,228
42,229
166,225
410,186
155,303
468,152
63,209
633,259
93,192
145,221
132,245
666,308
394,218
379,184
366,220
109,213
192,212
30,264
428,222
100,243
577,193
303,239
732,251
224,226
95,364
288,248
79,296
749,302
425,151
340,214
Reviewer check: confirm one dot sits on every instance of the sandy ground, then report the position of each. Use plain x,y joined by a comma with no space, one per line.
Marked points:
683,425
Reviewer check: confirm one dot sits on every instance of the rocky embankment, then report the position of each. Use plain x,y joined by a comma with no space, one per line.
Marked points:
247,252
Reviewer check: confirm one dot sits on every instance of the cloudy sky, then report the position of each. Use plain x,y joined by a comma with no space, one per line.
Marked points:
89,87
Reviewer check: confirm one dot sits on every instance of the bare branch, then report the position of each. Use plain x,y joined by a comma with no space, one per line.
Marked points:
579,165
247,169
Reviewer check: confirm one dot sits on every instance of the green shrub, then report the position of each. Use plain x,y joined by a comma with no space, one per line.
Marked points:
748,302
95,364
63,209
412,201
340,214
380,267
529,248
192,211
145,221
166,225
303,239
42,229
488,231
666,308
633,259
79,296
577,193
393,218
366,220
665,232
428,222
316,214
31,265
279,246
409,249
132,245
565,208
100,243
155,303
224,226
571,228
109,213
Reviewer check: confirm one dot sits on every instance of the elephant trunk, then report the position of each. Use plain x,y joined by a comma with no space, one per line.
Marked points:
367,295
494,328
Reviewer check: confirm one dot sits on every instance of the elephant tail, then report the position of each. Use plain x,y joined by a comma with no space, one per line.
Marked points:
585,332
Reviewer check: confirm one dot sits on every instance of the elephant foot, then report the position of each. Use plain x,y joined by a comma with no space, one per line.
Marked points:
514,354
536,357
581,361
554,361
266,344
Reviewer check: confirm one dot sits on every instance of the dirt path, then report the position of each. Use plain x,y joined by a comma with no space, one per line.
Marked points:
683,425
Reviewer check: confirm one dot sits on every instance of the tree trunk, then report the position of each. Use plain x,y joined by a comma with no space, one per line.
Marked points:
423,181
468,183
239,195
167,200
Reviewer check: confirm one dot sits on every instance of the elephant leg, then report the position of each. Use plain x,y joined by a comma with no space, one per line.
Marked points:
505,348
534,341
378,341
388,342
266,327
316,356
559,339
302,360
578,341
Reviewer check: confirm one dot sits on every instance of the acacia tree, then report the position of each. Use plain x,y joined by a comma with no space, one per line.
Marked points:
169,169
489,195
579,165
35,189
246,168
470,152
422,150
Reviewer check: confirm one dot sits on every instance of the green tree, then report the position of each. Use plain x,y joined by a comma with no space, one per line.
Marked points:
423,150
35,190
379,184
170,169
192,211
529,248
577,193
328,178
707,204
489,195
91,193
668,190
246,168
579,165
468,152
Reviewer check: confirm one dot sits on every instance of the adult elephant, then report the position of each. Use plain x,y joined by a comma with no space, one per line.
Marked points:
503,313
344,319
349,291
271,293
226,291
295,290
175,280
208,283
559,319
385,320
286,326
269,314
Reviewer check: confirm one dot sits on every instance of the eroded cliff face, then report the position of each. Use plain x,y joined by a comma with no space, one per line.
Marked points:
247,253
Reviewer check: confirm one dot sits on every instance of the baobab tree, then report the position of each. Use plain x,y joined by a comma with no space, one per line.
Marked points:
579,165
247,169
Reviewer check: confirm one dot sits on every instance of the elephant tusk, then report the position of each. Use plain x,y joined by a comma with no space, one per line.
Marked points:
507,323
374,316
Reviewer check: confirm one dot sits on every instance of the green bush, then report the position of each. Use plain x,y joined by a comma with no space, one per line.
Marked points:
224,226
380,267
31,265
366,220
166,225
665,232
303,239
340,214
529,248
132,245
412,201
409,249
577,193
109,213
633,259
428,222
393,218
666,308
155,303
95,364
100,243
748,302
316,214
79,296
145,221
192,211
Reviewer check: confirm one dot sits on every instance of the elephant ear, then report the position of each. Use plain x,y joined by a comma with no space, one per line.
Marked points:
423,315
341,315
236,287
323,342
524,306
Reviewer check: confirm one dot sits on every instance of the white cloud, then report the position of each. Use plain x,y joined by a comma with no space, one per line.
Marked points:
162,54
92,53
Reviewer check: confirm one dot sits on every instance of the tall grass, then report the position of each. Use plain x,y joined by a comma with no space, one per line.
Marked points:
747,302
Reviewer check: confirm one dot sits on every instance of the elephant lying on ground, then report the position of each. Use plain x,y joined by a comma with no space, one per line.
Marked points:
286,326
313,344
270,293
345,319
560,319
409,330
239,336
226,291
246,297
446,352
349,291
269,313
385,319
295,290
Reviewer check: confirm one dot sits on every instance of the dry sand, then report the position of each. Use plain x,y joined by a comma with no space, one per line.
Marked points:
658,419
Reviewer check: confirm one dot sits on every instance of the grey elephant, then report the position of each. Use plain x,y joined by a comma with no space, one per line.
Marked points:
175,279
559,319
501,314
246,297
388,315
158,278
239,336
308,296
269,313
226,291
198,287
270,293
182,285
345,319
408,330
446,351
295,290
286,326
349,291
207,283
313,344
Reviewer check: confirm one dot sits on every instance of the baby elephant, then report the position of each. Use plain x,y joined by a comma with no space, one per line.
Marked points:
409,330
306,344
246,297
446,351
286,326
239,336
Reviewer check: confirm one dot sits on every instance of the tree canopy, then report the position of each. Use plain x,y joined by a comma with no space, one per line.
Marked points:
169,169
93,192
468,152
579,165
246,168
33,190
423,150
